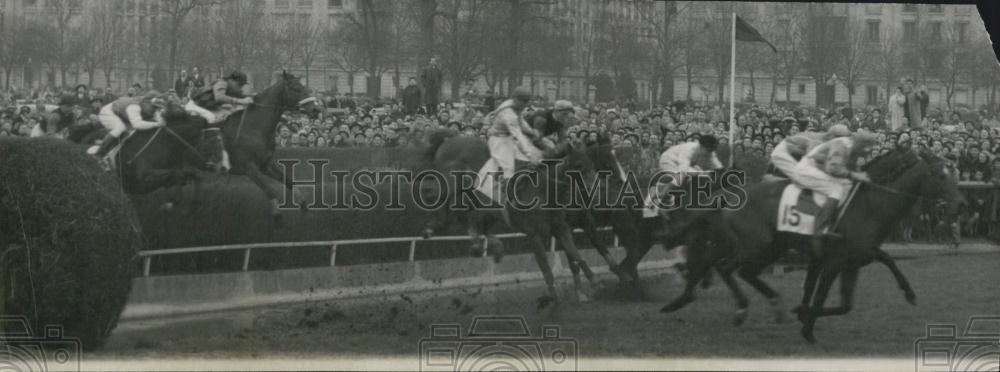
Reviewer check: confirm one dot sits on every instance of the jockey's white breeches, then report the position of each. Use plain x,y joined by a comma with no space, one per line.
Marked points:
504,152
111,121
810,176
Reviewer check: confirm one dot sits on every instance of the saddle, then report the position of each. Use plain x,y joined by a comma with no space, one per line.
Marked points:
798,207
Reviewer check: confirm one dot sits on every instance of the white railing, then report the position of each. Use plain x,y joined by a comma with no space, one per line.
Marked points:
147,256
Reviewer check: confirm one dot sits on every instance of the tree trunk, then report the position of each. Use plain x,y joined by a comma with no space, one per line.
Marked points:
427,8
753,88
558,85
774,87
456,85
174,29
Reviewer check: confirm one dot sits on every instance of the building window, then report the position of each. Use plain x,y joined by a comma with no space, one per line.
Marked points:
873,9
910,8
305,4
871,95
802,89
910,31
937,8
334,4
30,3
935,30
281,4
873,34
960,29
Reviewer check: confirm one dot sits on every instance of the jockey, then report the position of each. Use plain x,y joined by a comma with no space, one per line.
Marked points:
117,115
510,136
552,125
223,94
54,123
786,155
827,169
690,157
510,140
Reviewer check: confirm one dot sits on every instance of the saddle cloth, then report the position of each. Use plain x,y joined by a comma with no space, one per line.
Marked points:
797,209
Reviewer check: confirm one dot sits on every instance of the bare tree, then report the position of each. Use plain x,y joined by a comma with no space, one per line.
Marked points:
856,60
176,11
365,41
305,43
888,61
21,40
944,57
463,40
67,52
695,51
235,32
590,54
272,51
823,46
664,23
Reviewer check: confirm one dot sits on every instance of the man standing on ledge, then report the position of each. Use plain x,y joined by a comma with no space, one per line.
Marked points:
430,78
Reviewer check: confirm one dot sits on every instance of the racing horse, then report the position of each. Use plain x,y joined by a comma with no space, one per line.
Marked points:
167,156
746,239
248,135
453,155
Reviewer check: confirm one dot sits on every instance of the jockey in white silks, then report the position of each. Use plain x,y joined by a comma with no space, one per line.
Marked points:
128,110
789,152
678,161
827,169
510,140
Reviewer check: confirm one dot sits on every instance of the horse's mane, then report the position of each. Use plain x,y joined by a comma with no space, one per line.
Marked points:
889,166
285,77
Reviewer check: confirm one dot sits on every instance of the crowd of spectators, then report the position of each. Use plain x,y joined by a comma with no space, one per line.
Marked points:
968,139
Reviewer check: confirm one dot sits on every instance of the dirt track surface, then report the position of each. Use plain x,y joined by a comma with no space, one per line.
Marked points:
950,289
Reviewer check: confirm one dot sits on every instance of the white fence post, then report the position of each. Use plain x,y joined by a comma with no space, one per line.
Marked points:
616,240
552,244
486,246
413,249
145,265
246,259
333,255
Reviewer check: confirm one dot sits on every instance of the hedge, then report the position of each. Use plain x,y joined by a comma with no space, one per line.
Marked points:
68,239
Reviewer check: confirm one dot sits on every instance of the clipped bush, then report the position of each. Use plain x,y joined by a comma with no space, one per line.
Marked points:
68,239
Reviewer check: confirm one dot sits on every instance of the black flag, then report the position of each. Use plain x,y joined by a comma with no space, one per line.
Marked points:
746,32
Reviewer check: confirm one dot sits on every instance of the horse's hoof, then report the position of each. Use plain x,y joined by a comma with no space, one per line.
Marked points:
674,306
911,298
545,301
808,335
741,317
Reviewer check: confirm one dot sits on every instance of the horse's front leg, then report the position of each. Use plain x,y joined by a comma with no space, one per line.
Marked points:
848,282
808,288
274,173
826,278
258,178
539,250
564,234
904,284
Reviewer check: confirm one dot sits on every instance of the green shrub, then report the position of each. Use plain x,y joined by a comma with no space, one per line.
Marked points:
68,238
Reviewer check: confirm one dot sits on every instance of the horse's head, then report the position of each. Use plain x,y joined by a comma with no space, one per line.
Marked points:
293,94
920,173
577,160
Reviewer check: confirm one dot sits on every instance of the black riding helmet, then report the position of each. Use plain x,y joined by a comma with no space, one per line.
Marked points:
238,76
708,141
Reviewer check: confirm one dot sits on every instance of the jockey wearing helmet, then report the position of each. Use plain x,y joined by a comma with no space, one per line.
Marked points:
56,122
552,124
827,169
222,94
510,136
786,155
141,112
690,157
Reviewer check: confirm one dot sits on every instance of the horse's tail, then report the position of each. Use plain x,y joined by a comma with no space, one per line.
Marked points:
434,140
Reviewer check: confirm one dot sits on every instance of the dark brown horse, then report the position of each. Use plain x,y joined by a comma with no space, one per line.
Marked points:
448,154
165,157
249,135
746,239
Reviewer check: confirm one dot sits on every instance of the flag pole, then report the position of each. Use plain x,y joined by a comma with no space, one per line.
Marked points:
732,92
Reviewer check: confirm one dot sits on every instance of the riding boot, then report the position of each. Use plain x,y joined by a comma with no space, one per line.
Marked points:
107,144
